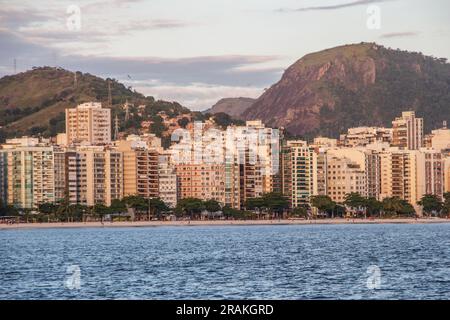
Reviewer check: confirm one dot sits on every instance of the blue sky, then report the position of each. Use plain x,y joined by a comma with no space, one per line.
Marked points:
198,51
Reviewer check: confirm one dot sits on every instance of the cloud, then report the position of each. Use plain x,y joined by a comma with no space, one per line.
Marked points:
14,19
197,82
197,96
333,7
399,34
154,24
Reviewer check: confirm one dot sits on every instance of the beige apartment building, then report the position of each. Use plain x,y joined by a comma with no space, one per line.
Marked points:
407,131
88,123
202,181
362,136
430,173
344,177
447,174
94,175
399,175
140,169
440,139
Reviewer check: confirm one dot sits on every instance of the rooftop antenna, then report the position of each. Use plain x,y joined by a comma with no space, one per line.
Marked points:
116,128
15,66
109,94
127,111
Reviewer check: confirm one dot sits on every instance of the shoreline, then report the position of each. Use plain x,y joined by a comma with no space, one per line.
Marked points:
194,223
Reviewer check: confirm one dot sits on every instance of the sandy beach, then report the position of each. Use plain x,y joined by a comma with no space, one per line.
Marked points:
217,223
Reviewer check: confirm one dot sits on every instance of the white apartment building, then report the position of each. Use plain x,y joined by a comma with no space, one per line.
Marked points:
168,181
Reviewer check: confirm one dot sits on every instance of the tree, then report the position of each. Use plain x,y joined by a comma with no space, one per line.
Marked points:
191,206
431,204
373,206
229,212
254,204
157,207
275,202
355,201
138,203
446,204
48,209
118,206
77,211
212,205
406,209
396,206
101,210
301,212
391,205
324,204
183,122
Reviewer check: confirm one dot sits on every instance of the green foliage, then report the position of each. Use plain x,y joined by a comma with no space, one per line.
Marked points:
231,213
183,122
446,204
212,205
300,212
431,204
397,207
323,203
355,200
191,206
224,120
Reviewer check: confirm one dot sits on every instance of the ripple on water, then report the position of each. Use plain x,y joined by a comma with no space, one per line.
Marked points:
228,262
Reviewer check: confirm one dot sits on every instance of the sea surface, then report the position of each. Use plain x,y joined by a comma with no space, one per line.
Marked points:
392,261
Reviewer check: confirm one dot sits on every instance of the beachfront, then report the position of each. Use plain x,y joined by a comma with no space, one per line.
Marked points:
123,224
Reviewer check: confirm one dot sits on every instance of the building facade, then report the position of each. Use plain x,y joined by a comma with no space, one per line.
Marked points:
88,123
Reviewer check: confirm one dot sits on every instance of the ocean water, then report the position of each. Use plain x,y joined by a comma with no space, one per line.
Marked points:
392,261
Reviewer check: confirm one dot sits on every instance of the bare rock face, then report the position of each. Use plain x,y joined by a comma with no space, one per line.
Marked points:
363,84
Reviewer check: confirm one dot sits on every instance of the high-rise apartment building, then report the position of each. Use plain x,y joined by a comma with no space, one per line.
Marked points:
88,123
344,177
399,174
202,181
168,181
299,168
29,179
140,169
430,173
407,131
94,175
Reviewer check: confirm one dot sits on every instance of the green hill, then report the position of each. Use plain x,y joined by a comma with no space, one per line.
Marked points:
33,102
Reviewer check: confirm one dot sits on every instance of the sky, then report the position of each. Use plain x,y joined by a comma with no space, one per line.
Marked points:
198,51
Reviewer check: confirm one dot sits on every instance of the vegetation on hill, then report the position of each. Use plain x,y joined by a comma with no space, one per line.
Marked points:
33,102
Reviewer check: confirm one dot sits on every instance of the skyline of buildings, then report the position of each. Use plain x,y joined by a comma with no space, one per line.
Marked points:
229,165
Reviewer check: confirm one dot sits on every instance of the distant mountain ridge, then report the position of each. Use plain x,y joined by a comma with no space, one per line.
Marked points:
234,107
326,92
